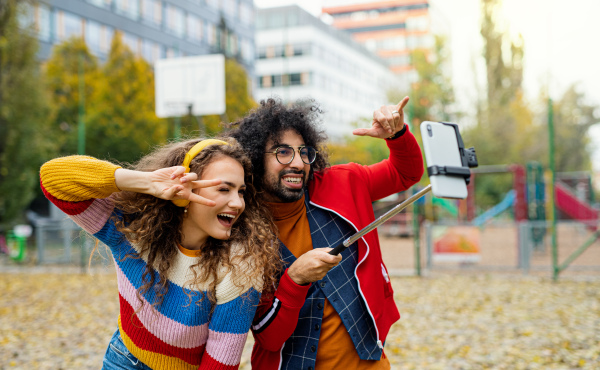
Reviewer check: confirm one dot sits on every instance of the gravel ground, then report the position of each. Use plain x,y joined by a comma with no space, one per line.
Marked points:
64,319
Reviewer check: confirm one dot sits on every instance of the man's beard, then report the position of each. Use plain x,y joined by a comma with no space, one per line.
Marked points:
276,189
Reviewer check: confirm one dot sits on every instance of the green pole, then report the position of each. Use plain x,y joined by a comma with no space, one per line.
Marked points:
415,207
177,132
417,232
555,268
80,121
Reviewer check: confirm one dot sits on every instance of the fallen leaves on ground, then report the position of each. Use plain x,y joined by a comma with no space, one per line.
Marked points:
65,320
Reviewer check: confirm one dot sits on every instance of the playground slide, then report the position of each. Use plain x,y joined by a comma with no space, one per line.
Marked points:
506,203
579,210
448,205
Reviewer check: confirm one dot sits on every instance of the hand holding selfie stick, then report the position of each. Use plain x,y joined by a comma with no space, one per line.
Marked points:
467,158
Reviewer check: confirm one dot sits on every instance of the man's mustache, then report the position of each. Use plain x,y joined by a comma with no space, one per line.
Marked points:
294,172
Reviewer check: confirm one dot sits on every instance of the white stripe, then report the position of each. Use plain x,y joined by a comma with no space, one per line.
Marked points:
269,315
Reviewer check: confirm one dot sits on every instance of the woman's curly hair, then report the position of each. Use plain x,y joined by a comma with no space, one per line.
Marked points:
269,121
154,226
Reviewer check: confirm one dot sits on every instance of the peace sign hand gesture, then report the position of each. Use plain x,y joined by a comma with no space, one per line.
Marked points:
169,183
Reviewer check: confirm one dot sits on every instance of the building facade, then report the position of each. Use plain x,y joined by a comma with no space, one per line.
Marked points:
391,29
153,29
299,57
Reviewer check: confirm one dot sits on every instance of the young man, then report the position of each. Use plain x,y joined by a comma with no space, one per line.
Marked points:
328,312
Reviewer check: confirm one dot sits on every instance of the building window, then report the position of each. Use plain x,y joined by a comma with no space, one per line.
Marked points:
150,51
68,25
128,8
247,50
232,44
194,28
101,3
151,11
173,53
175,20
92,35
211,34
213,3
106,36
246,13
420,23
230,8
132,42
43,22
292,79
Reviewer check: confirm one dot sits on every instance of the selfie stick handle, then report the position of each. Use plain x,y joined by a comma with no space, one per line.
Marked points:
373,225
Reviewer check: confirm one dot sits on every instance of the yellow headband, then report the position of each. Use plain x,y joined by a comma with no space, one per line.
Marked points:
191,154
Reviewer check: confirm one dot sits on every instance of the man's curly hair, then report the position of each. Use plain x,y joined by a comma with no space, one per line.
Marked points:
269,121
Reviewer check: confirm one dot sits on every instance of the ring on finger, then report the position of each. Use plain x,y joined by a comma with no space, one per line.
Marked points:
395,111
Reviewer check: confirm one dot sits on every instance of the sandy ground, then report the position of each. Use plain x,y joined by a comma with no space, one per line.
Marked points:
488,315
62,319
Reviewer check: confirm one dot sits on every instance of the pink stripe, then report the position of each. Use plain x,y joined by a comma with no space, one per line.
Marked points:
226,347
164,328
95,216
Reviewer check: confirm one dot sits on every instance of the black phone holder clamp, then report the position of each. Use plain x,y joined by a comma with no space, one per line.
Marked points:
468,158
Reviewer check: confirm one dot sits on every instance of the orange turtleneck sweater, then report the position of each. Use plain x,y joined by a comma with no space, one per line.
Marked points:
335,350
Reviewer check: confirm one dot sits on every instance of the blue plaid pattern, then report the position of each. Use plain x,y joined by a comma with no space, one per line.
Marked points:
340,287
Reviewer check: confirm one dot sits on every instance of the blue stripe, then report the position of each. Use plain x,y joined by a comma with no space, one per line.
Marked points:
235,316
177,305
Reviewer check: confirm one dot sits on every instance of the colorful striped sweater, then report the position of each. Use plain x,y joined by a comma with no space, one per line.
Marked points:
179,333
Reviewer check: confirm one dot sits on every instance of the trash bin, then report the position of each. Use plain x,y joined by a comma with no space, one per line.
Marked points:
16,242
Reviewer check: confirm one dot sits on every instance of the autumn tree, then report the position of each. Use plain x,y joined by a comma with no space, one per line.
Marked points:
70,65
25,136
572,119
120,118
358,149
432,94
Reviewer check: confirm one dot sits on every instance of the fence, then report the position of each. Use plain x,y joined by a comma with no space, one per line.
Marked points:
64,242
524,247
502,246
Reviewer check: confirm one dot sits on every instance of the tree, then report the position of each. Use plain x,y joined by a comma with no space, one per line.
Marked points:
504,107
431,95
358,149
70,61
25,136
572,119
120,116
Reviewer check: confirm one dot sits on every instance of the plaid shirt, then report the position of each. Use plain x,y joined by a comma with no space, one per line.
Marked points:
340,287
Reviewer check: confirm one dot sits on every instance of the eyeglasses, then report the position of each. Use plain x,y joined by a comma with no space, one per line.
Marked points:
285,154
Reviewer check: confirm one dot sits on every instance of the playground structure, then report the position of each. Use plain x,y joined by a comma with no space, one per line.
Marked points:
526,203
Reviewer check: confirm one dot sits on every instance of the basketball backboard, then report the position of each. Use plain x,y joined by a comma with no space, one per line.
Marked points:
198,81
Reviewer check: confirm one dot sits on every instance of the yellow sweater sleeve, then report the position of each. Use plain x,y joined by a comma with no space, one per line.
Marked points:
77,178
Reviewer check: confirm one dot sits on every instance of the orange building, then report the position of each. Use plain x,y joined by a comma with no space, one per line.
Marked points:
391,29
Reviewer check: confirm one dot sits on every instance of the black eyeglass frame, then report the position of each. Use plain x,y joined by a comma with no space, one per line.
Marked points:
276,152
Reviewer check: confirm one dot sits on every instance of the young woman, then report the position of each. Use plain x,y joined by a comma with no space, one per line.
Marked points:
193,250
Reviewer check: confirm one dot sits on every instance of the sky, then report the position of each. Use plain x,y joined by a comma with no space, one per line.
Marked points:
560,42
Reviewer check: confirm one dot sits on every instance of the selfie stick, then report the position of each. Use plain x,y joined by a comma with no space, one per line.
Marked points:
373,225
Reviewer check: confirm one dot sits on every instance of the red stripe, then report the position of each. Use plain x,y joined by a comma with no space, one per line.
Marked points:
70,208
209,363
147,341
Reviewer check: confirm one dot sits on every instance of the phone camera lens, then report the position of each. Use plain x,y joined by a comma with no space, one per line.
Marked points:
429,131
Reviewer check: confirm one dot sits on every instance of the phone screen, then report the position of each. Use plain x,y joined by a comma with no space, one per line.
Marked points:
441,149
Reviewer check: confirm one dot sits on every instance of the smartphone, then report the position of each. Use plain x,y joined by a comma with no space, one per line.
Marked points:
440,143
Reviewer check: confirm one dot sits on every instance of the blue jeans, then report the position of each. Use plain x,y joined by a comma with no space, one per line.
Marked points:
118,357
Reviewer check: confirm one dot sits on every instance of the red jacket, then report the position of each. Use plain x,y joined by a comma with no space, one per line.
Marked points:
347,190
